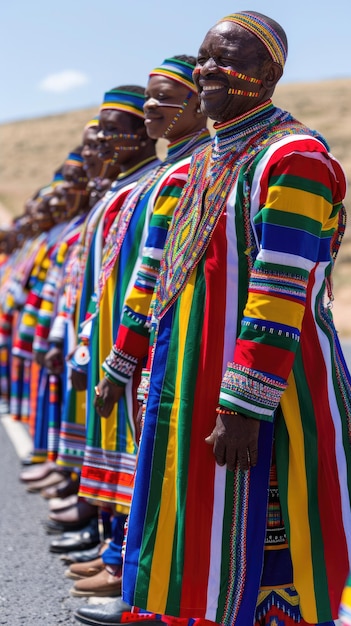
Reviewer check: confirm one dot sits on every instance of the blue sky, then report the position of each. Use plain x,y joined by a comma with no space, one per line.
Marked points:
59,56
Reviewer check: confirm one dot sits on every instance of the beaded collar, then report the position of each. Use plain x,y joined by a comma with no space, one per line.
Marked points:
141,194
213,172
185,145
76,276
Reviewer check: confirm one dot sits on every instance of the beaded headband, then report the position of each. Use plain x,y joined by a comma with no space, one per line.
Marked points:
264,31
92,123
126,101
45,191
57,179
180,71
75,159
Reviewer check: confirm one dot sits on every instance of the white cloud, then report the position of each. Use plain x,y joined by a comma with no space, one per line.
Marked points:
63,81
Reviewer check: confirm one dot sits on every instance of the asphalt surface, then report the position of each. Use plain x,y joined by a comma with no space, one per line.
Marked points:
33,588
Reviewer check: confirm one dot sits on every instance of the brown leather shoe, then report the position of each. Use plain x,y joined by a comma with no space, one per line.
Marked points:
103,584
35,486
83,511
85,570
38,471
58,504
67,487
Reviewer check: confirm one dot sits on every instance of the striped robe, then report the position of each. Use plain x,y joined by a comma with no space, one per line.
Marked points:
78,292
110,454
246,326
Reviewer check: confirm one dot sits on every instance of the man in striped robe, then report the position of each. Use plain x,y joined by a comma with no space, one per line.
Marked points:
249,395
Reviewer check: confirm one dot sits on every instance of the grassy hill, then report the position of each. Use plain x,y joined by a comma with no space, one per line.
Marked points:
32,149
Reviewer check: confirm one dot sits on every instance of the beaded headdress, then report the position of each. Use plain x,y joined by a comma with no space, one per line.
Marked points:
257,25
93,123
175,69
126,101
75,159
57,179
45,191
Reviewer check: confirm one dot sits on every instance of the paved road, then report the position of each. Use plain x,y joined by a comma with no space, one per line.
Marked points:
33,588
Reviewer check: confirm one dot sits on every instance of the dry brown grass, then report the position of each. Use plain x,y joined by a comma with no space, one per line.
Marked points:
32,149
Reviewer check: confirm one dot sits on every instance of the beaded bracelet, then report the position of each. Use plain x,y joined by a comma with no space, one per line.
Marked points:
112,380
225,411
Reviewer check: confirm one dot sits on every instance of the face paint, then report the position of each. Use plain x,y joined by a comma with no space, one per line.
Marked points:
240,76
156,103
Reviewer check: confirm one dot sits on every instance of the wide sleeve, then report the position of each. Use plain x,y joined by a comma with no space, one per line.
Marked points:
300,198
132,341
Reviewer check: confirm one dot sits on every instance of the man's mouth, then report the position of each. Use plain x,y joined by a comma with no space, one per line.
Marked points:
211,86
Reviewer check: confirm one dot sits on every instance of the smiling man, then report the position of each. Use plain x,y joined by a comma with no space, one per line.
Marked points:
247,380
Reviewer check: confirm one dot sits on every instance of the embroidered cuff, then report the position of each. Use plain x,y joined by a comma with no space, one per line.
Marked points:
119,367
143,389
40,345
251,392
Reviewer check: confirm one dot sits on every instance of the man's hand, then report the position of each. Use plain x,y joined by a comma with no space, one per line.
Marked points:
235,440
79,380
106,396
39,357
54,360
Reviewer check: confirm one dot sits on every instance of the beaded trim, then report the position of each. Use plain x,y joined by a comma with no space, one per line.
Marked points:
263,31
214,170
144,186
180,112
120,136
177,70
143,389
253,386
231,72
126,101
241,92
119,364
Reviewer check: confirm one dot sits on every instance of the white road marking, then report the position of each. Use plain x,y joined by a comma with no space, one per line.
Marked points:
18,435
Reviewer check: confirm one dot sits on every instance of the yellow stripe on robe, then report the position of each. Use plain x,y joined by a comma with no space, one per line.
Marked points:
29,320
108,425
46,305
80,407
162,555
315,207
280,310
298,501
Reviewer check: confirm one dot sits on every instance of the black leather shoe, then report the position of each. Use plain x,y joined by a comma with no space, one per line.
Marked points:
81,556
54,528
87,537
110,614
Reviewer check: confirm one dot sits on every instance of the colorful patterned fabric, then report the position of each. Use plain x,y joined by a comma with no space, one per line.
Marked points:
258,26
79,290
26,290
123,100
142,225
252,297
49,291
177,70
24,336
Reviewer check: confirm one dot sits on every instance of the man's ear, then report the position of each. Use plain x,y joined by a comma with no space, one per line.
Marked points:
273,72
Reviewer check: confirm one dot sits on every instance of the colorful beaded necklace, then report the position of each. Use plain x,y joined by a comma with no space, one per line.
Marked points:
213,173
89,227
141,192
